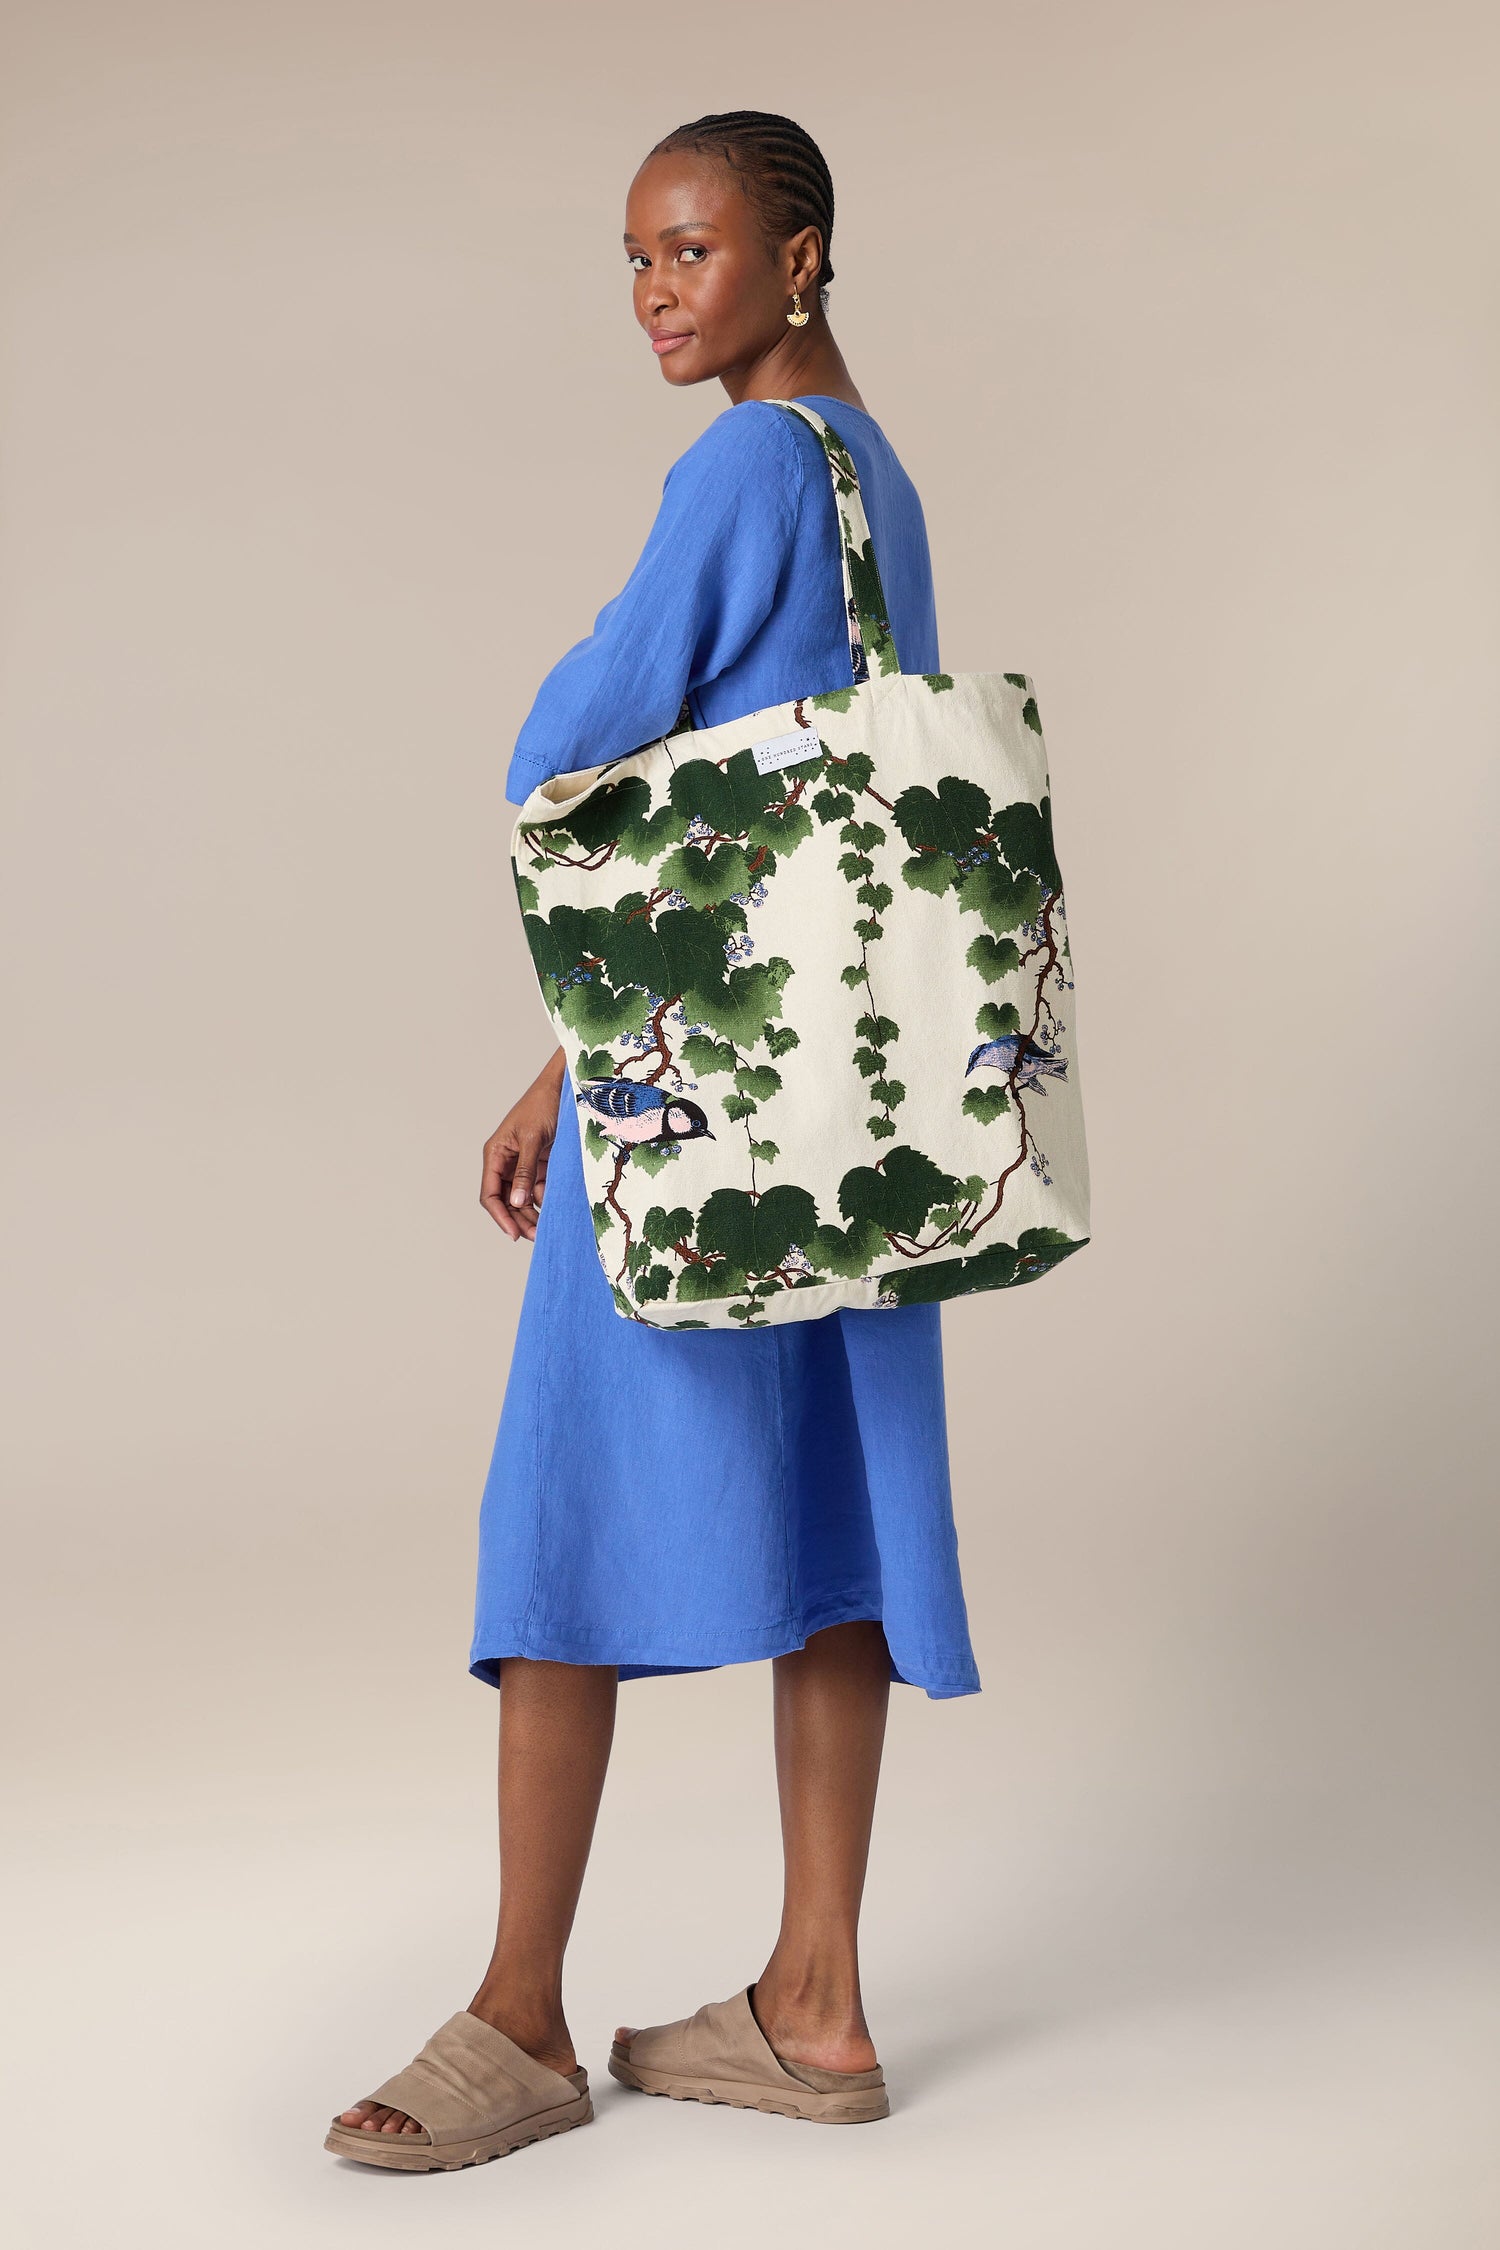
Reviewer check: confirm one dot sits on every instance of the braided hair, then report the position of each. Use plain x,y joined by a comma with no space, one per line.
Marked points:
779,167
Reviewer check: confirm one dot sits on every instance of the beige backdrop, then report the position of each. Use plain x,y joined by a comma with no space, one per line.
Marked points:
317,333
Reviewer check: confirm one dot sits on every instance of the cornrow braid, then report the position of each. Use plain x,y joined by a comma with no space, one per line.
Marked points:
779,166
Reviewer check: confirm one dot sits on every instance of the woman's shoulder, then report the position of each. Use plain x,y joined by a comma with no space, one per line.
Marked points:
742,444
758,442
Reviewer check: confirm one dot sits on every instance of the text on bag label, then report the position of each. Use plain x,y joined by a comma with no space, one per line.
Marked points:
786,749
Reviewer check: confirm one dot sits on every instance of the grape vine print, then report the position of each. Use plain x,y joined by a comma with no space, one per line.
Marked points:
696,1016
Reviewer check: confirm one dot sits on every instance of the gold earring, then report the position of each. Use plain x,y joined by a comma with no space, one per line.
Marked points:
797,316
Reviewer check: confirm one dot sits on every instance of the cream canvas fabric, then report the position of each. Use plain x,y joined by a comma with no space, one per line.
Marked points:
811,973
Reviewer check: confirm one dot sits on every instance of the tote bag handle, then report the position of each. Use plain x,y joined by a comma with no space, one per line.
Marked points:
872,644
870,636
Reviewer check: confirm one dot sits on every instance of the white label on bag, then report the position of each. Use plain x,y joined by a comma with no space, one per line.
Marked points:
792,749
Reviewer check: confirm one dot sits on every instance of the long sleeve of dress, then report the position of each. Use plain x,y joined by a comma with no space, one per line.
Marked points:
705,583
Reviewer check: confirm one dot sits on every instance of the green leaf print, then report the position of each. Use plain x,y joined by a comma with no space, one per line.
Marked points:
938,681
986,1103
703,791
740,1006
645,840
756,1232
898,1194
704,1279
1024,834
663,1228
995,1022
949,819
652,1157
846,1251
1003,900
781,1038
568,936
930,871
677,950
705,878
783,831
594,1010
994,958
753,790
759,1082
1039,1249
998,1266
704,1055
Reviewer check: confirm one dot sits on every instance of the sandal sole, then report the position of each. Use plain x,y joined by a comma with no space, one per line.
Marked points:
864,2108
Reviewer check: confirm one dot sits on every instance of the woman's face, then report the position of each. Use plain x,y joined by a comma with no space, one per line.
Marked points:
708,292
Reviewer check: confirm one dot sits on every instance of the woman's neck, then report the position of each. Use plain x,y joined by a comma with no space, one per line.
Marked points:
803,361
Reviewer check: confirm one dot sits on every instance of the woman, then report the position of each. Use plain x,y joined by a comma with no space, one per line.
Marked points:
665,1501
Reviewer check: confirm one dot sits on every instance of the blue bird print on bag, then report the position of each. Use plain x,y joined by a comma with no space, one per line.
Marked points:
1019,1052
632,1113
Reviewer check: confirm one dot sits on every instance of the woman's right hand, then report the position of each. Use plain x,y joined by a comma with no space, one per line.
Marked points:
516,1153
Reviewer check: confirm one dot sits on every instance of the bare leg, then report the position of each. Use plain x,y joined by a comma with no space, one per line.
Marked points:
556,1725
830,1703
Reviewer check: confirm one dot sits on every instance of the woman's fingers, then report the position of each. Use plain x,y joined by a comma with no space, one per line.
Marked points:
528,1181
523,1178
499,1160
515,1175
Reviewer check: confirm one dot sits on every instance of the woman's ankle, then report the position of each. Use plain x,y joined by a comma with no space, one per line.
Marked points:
811,2011
534,2020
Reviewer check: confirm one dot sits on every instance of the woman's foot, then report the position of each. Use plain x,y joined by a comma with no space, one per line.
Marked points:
820,2032
547,2041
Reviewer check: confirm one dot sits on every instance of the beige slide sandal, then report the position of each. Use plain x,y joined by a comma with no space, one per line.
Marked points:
722,2055
476,2094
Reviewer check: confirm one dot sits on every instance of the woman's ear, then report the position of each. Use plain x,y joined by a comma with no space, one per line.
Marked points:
805,250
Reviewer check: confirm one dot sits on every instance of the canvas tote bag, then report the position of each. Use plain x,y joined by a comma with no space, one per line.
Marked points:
811,974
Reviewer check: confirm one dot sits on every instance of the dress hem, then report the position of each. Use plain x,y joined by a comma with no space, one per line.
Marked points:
942,1679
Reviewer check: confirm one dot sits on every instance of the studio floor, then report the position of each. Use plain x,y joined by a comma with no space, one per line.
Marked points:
1106,2021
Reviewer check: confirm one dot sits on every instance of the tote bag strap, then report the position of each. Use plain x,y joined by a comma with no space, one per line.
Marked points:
871,641
872,644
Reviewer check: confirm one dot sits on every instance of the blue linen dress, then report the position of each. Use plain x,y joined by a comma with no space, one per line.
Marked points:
670,1501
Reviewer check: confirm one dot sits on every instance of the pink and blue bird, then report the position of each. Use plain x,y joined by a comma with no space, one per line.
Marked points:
632,1113
1018,1052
